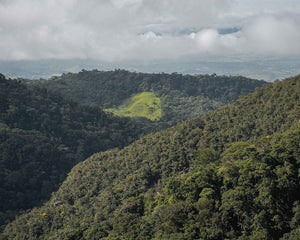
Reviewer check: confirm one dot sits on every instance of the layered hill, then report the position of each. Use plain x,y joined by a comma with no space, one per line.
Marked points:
231,174
43,135
182,96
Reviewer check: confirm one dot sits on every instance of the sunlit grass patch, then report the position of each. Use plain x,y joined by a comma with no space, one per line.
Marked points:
144,104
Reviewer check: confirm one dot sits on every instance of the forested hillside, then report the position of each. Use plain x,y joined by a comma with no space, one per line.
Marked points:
231,174
43,135
182,96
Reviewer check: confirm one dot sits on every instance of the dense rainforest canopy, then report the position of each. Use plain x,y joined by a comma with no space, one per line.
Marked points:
43,135
231,174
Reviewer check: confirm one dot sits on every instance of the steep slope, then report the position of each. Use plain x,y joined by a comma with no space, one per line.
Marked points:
42,136
188,182
182,96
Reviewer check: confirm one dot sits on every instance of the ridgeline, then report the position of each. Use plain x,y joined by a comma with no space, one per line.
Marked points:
182,96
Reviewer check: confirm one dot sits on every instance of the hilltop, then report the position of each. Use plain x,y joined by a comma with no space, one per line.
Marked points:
182,96
231,174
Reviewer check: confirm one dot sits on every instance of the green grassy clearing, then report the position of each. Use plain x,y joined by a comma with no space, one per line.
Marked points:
144,104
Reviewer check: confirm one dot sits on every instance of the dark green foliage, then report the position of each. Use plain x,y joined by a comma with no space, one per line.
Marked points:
182,96
206,156
214,177
31,168
42,136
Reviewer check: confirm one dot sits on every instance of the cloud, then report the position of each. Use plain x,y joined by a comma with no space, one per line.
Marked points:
273,35
121,30
266,35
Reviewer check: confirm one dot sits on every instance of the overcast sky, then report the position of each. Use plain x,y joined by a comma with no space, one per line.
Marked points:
134,30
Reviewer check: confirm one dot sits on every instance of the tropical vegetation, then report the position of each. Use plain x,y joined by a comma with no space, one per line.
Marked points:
231,174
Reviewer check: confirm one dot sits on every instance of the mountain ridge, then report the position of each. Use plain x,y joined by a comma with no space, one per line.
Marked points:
182,96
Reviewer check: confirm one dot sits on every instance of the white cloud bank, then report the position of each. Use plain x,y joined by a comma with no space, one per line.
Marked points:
265,35
120,30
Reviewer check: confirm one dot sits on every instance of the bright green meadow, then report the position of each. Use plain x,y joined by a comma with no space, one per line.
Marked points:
144,104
